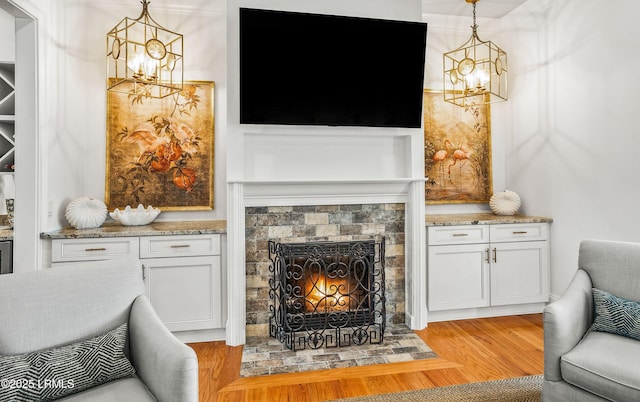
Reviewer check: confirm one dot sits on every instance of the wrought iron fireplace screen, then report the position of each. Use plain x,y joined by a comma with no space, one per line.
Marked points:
327,294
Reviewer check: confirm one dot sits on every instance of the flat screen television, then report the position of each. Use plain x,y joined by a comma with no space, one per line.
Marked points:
314,69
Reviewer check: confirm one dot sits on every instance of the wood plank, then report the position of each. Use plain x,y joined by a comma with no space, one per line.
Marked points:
468,351
341,373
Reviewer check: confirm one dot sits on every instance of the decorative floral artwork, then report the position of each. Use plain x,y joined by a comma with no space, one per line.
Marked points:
457,151
160,151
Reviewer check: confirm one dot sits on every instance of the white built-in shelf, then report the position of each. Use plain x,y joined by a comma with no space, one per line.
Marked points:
7,117
391,180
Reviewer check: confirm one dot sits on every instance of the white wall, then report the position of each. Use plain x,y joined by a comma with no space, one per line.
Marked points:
7,54
30,28
7,33
77,144
446,33
573,142
566,140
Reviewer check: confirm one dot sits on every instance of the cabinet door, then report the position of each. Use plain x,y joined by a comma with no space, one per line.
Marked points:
185,292
458,276
519,272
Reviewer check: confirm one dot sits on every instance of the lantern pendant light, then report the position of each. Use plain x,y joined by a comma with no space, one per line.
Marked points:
143,58
476,72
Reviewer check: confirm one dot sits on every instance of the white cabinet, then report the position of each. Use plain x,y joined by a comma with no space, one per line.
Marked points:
519,273
183,279
458,277
185,292
476,267
182,273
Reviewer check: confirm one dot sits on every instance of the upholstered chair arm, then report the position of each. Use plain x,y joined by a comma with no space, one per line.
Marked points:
168,367
565,323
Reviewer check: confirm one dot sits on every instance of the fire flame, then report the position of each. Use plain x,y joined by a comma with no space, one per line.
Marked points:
328,294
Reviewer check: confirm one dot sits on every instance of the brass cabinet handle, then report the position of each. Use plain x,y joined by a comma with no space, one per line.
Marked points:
95,249
520,232
495,255
487,251
460,234
180,246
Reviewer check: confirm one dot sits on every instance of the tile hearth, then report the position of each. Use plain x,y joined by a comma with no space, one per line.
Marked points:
265,355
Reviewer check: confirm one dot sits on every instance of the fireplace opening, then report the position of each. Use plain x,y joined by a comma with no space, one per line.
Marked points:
327,294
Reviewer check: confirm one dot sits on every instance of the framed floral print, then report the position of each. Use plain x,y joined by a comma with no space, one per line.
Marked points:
160,151
457,151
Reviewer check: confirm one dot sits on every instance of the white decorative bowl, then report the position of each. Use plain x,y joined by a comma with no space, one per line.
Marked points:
505,203
135,217
85,213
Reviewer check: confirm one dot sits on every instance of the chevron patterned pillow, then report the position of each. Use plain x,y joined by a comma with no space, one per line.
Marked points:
616,315
53,373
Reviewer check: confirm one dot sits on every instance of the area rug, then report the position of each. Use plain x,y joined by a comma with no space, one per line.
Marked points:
521,389
266,356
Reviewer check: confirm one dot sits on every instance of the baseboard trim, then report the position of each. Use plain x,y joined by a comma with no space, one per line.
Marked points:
206,335
484,312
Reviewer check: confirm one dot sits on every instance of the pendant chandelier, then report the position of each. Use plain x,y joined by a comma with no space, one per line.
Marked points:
143,58
476,72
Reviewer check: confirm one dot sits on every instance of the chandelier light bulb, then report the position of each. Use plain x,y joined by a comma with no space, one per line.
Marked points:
477,80
135,62
150,66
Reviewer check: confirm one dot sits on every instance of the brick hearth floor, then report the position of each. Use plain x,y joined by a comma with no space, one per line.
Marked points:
264,356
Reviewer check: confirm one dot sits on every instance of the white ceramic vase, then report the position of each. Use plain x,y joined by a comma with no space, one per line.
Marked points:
86,213
505,203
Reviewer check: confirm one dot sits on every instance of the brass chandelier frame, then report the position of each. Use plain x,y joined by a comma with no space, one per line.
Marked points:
144,58
476,72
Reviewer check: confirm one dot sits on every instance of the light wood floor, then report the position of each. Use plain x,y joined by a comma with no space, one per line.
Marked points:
468,351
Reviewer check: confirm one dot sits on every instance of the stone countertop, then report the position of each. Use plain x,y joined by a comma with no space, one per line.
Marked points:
115,229
6,234
481,219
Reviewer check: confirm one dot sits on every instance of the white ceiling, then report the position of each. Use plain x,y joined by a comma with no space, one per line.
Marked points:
484,8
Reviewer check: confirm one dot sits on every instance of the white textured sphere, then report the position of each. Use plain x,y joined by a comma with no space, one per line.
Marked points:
86,213
505,203
135,217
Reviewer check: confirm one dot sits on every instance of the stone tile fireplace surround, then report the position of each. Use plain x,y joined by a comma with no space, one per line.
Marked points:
332,210
312,223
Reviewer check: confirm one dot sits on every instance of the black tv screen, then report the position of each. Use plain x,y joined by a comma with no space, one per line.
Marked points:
313,69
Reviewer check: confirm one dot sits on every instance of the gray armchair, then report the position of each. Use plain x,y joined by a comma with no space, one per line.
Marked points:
44,310
581,364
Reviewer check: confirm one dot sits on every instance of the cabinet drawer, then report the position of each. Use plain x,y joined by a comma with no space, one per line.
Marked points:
519,232
179,246
464,234
63,250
